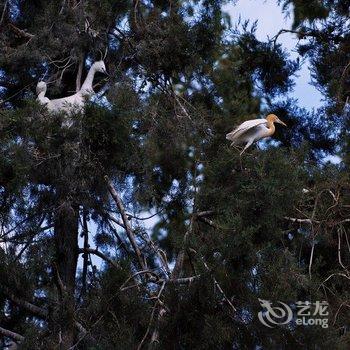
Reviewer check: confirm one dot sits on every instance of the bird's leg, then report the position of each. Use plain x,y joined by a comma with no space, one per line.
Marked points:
243,150
240,161
238,149
249,143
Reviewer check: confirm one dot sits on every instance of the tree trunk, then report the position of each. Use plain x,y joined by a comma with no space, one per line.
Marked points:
66,239
85,254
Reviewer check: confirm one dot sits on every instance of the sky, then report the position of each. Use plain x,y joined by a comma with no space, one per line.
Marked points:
270,20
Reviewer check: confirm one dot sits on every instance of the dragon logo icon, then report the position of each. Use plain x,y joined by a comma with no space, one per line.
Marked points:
274,315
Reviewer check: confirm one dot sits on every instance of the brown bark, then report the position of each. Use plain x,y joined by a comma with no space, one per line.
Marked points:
15,336
80,73
66,239
85,253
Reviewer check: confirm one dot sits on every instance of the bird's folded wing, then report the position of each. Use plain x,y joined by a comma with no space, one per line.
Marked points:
249,124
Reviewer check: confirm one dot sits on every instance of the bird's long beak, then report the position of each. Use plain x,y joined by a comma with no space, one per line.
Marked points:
279,121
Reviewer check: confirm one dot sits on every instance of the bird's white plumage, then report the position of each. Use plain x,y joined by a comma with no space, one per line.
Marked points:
70,104
237,135
253,130
41,91
76,102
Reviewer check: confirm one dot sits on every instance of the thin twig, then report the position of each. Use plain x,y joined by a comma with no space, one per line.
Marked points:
152,317
99,254
219,287
126,223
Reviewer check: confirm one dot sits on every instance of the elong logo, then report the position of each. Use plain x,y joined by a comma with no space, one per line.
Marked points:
281,315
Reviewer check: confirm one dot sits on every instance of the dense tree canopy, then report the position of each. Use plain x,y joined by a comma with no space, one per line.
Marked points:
136,227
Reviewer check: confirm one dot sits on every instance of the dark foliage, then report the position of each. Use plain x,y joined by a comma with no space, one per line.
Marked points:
137,227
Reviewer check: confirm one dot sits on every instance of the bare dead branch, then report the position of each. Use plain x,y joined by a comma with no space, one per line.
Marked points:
36,310
126,223
116,221
100,255
335,274
339,308
33,309
204,213
311,256
217,284
185,280
339,249
300,34
3,12
21,32
155,334
343,221
79,73
210,223
143,272
145,218
301,221
15,336
181,256
152,317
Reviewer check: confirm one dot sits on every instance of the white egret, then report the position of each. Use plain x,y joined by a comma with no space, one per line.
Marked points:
253,130
75,103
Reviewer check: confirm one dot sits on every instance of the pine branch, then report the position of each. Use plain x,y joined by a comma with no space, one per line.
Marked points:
99,254
36,310
116,221
181,256
126,223
144,272
300,34
21,32
33,309
184,280
301,221
15,336
159,315
4,12
161,255
202,216
217,284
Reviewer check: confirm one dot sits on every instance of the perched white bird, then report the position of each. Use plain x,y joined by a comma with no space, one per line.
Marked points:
253,130
41,91
74,103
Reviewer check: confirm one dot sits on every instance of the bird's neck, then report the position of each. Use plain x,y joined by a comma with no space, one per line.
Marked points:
87,85
41,94
271,127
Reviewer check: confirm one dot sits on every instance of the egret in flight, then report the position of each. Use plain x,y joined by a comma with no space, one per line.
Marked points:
253,130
